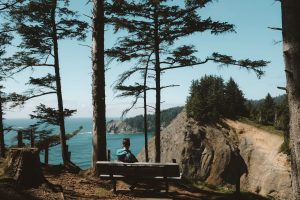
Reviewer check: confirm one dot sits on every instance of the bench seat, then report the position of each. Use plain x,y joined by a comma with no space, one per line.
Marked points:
138,171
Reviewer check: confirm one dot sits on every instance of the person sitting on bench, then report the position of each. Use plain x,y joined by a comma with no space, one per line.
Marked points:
124,154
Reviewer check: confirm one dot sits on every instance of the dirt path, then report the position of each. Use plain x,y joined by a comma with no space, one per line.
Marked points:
267,169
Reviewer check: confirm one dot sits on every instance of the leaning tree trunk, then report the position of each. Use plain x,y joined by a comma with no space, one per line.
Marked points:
98,90
157,81
61,119
291,51
24,167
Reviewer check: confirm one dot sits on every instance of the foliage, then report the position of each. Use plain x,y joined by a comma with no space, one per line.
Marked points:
267,110
48,139
49,115
234,100
210,99
270,111
41,24
154,28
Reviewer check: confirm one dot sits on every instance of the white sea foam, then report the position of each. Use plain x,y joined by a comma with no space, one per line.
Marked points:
85,133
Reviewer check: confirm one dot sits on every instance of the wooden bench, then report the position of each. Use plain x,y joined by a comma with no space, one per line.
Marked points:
139,171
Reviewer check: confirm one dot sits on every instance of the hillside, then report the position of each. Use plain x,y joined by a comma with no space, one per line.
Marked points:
136,124
208,153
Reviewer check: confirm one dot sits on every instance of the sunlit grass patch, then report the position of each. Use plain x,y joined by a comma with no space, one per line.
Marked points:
268,128
103,192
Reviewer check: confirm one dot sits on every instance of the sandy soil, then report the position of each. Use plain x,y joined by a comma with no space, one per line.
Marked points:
260,150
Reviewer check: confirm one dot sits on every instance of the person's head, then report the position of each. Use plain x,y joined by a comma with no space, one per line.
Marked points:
126,143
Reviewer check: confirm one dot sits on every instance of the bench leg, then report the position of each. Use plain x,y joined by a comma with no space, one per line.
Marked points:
115,185
167,185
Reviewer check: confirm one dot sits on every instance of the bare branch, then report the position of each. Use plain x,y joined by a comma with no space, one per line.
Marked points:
275,28
282,88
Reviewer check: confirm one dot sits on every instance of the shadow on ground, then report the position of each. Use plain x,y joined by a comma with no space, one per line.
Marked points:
10,191
183,192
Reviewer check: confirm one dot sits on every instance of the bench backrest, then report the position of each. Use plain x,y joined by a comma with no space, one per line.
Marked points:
139,169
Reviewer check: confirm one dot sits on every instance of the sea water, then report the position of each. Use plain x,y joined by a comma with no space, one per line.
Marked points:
80,145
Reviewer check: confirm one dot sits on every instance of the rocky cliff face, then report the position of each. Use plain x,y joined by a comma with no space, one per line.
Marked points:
210,154
269,171
118,126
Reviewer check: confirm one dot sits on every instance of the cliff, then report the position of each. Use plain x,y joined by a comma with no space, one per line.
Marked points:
210,153
118,126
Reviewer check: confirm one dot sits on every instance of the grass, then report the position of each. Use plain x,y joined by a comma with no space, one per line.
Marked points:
268,128
102,192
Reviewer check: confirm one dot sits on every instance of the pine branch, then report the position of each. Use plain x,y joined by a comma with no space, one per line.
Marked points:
19,100
275,28
256,66
169,86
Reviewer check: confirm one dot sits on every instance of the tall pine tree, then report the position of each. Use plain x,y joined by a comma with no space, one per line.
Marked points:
6,38
234,100
154,27
41,24
267,110
98,90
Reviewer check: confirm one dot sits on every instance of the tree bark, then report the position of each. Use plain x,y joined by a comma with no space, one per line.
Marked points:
98,85
24,167
20,138
46,158
2,143
291,51
145,115
61,119
157,83
31,138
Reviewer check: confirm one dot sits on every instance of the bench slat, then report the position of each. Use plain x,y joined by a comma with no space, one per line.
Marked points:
139,169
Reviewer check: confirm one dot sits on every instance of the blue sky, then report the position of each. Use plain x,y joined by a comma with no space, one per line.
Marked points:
253,40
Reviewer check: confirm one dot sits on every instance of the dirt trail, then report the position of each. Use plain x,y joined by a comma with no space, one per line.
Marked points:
268,170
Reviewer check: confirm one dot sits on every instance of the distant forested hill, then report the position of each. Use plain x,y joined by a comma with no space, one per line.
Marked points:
136,124
279,99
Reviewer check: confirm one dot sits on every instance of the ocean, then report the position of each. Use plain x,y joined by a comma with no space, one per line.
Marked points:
80,145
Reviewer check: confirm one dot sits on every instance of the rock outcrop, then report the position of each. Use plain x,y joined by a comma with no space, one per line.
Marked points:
210,153
118,126
203,152
269,171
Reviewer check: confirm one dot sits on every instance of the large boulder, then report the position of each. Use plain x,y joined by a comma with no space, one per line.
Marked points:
219,153
203,152
269,171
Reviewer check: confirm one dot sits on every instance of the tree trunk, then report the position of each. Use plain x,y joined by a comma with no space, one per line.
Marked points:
145,114
20,139
46,158
291,51
31,138
157,83
61,119
24,167
2,143
98,90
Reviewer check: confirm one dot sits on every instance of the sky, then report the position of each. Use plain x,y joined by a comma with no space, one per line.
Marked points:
252,40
